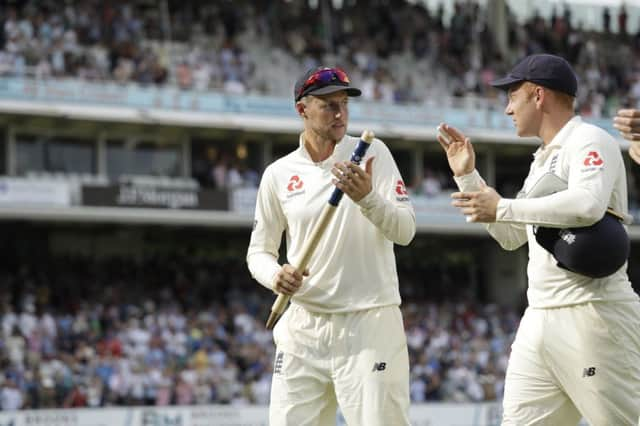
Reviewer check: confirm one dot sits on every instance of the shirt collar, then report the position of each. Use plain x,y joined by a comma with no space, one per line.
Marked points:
305,154
559,139
566,130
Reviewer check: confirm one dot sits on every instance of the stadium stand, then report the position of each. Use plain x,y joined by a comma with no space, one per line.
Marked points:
82,332
250,46
177,329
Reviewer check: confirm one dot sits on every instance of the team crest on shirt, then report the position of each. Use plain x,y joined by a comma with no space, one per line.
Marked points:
295,186
592,161
401,191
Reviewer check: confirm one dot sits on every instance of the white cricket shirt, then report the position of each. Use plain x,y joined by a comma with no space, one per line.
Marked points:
590,161
353,266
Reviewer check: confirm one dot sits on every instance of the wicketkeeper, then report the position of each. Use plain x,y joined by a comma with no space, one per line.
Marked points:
577,350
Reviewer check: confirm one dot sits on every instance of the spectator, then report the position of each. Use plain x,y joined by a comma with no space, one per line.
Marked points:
77,398
184,76
10,396
622,20
431,185
606,20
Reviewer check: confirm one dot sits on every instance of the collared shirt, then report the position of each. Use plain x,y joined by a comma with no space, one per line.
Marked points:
589,160
353,266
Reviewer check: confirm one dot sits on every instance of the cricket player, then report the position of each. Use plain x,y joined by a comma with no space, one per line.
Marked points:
627,121
577,349
342,340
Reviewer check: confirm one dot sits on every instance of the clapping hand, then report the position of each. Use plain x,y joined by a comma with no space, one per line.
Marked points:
460,153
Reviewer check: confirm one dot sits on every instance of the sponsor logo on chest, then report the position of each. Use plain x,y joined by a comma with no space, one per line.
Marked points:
592,161
295,186
401,191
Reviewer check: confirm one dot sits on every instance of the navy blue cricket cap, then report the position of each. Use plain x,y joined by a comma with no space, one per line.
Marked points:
549,71
323,81
595,251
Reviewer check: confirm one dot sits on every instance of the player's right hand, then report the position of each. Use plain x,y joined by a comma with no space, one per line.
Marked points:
288,281
627,121
460,153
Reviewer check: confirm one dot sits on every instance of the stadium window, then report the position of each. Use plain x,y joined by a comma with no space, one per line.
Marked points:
54,154
133,157
404,160
512,167
222,163
282,149
436,175
443,268
3,152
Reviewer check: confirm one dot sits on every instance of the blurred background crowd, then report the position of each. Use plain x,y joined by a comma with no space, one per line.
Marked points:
162,330
81,332
251,46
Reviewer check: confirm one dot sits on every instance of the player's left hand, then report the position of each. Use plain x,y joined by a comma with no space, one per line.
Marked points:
478,206
352,180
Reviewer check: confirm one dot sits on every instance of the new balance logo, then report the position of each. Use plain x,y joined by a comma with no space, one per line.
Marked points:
277,368
588,372
567,236
379,366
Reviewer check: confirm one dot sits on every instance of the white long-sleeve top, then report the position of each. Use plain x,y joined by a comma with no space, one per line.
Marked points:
353,267
590,161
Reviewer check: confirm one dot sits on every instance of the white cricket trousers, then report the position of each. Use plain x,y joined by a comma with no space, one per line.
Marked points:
358,360
581,360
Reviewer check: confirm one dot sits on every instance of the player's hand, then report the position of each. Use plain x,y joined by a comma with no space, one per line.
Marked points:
460,153
288,281
352,180
478,206
627,121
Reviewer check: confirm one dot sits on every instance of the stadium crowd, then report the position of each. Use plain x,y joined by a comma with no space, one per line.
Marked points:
186,330
252,46
78,332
